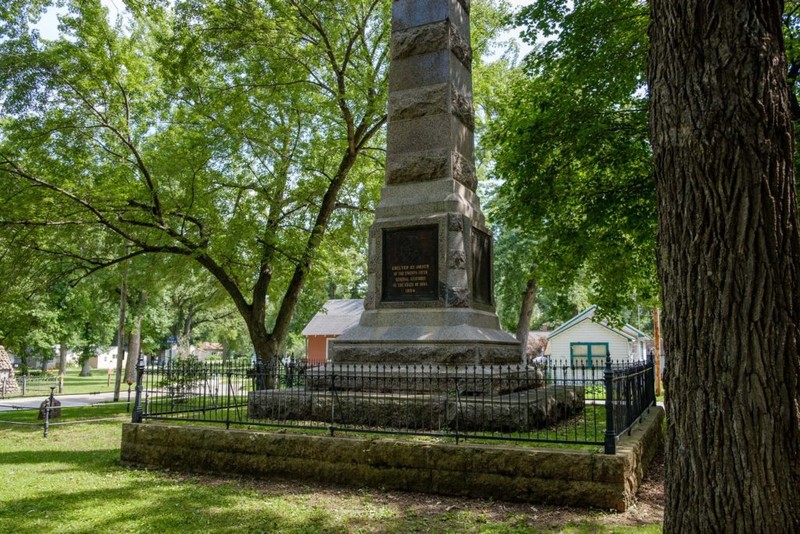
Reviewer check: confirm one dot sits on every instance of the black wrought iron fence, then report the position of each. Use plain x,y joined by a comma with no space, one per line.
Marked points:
552,403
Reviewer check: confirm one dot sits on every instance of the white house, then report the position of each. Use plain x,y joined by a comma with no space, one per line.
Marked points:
584,341
106,358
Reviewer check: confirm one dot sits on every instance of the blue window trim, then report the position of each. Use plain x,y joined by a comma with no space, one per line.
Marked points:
589,356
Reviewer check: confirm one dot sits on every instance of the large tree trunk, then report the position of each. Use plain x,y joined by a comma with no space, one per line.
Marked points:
728,257
62,357
123,298
134,347
266,347
86,368
525,313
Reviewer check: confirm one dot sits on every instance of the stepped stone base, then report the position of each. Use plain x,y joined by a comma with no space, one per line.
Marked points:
516,412
425,379
426,336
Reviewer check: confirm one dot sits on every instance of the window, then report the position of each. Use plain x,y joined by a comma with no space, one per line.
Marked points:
588,354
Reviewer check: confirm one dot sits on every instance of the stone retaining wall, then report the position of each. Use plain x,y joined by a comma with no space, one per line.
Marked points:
553,476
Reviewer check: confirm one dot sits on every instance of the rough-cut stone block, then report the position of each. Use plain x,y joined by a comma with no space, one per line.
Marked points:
419,166
463,171
431,100
461,108
419,102
432,133
458,297
455,222
432,38
457,259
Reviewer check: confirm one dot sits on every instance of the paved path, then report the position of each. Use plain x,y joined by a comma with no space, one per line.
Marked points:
85,399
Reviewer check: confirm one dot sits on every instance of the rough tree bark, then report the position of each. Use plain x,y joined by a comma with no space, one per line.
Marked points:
62,357
728,258
525,312
86,368
123,299
134,347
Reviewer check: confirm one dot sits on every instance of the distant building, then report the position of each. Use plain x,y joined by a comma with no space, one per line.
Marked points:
206,350
335,317
585,341
106,358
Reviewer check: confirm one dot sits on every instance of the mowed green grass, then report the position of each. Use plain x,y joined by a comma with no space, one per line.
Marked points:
98,382
72,481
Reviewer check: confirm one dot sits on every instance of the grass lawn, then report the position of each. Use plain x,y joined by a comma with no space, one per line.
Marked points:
72,482
97,383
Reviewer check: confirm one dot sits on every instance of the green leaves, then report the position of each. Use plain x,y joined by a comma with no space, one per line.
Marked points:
231,134
571,147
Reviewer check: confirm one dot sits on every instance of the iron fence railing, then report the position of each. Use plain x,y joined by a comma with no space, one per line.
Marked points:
27,385
553,403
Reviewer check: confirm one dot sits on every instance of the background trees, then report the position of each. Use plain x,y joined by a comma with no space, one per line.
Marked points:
236,136
575,213
243,137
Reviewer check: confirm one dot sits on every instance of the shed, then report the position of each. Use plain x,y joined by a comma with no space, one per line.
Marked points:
586,341
336,316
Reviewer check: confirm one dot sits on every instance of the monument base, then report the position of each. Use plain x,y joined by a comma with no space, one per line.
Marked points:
471,381
437,336
515,412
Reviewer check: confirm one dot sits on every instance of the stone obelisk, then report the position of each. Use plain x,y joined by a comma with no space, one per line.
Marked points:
429,297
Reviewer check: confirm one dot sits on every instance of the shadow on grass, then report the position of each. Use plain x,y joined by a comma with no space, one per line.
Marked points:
156,504
91,460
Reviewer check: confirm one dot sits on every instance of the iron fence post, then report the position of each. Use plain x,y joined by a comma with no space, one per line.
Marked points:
333,402
46,416
458,404
610,435
651,382
137,415
228,403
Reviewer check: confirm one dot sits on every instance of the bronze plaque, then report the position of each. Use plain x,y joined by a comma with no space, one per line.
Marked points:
410,264
481,267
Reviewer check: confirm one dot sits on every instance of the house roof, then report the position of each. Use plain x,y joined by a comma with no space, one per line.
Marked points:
335,317
627,331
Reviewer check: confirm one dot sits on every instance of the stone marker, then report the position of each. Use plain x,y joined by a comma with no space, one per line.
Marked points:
429,297
8,384
55,409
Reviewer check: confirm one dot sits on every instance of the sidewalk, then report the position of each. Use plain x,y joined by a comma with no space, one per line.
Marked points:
80,399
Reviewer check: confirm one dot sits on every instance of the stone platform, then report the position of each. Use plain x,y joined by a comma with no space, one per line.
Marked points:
521,474
521,411
424,379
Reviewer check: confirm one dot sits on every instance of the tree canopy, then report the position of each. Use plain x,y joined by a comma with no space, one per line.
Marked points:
237,136
243,137
571,148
